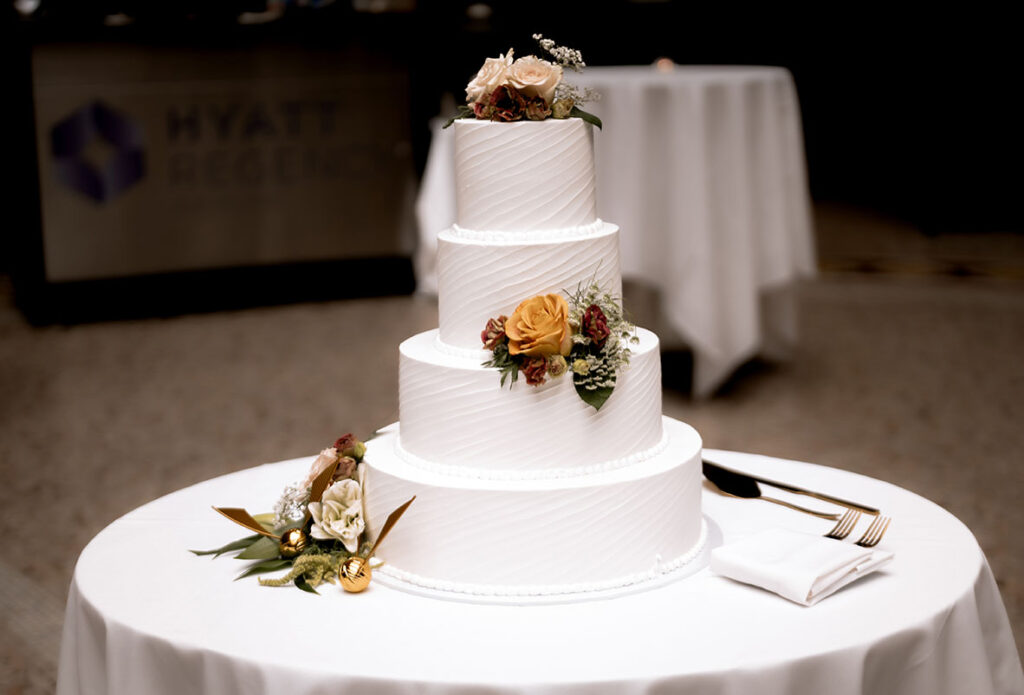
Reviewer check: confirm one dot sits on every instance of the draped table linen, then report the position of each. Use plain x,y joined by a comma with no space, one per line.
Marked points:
146,617
703,170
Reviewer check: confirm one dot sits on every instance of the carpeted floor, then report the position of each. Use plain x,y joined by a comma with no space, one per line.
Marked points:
908,369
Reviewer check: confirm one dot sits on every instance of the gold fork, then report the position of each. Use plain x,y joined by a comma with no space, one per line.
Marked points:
875,531
847,522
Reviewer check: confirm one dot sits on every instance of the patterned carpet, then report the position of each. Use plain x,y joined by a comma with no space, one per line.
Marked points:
908,369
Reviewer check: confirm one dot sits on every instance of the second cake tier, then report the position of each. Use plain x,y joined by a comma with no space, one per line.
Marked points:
457,418
482,275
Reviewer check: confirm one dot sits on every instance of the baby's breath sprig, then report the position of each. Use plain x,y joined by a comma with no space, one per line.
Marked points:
569,58
291,506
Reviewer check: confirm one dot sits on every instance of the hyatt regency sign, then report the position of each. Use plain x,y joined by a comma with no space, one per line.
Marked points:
155,160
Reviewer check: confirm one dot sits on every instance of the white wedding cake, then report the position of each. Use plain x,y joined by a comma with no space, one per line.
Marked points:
529,492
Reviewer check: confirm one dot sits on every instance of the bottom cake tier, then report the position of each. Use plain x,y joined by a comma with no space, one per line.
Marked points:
526,538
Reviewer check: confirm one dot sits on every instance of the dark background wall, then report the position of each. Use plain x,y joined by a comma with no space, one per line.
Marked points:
909,113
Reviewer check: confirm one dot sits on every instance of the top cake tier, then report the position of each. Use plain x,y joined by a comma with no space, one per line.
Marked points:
524,176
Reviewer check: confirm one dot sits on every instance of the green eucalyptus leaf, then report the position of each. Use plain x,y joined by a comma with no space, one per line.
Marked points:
233,545
265,520
264,567
595,398
301,582
263,549
590,118
464,112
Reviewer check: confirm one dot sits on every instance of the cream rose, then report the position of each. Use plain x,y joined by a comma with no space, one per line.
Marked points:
492,74
339,514
540,326
534,77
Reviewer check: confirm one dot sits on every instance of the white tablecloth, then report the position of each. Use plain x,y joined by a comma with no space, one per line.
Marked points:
145,616
703,170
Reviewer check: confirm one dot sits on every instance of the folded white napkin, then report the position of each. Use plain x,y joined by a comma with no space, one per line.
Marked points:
801,567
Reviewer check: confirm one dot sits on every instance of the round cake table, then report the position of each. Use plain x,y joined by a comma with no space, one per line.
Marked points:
146,616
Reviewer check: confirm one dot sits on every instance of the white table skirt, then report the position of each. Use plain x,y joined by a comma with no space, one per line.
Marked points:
703,169
145,616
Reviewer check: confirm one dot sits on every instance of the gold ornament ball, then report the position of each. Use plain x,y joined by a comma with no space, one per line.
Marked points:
293,542
355,574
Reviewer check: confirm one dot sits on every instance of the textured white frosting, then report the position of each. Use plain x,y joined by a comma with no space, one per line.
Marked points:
538,537
528,493
478,279
455,413
524,176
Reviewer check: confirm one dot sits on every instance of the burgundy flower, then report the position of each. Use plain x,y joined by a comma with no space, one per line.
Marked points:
595,325
344,442
535,369
494,332
483,110
537,109
507,104
348,445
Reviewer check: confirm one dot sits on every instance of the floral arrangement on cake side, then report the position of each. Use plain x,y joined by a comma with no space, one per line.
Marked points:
528,88
317,528
584,333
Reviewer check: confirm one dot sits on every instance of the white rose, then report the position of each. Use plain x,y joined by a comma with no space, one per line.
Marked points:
534,77
327,457
339,514
490,76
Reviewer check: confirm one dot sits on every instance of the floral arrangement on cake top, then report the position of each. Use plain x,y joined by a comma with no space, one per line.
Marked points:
549,335
317,527
528,88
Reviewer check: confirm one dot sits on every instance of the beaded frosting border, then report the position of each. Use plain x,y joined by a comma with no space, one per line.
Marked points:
581,589
454,471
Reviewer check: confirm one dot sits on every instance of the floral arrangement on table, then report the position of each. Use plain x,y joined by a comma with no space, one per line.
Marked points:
549,335
317,528
529,87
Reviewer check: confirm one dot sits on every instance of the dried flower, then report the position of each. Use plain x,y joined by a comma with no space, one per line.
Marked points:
557,365
494,332
535,370
291,506
346,468
328,457
595,325
507,104
348,445
580,366
537,109
483,110
563,55
561,108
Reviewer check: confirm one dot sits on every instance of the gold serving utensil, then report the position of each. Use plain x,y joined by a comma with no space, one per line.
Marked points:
746,485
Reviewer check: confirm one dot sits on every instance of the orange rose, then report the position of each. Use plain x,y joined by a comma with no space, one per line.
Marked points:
540,326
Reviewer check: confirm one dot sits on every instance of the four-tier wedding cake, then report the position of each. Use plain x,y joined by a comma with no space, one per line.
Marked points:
529,492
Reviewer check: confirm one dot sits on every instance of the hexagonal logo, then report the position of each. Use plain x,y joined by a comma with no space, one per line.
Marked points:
98,152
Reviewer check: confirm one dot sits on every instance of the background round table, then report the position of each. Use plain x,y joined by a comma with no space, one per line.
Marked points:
703,169
146,616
